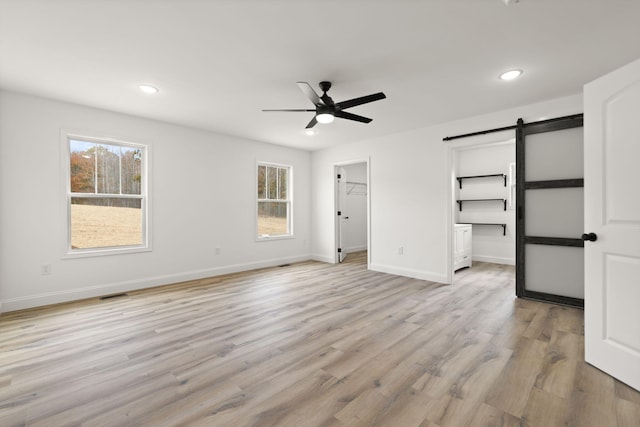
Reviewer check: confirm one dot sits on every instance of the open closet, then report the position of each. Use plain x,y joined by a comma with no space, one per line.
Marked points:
484,219
351,208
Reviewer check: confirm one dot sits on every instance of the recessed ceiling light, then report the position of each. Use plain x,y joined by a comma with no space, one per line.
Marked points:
148,89
510,75
309,132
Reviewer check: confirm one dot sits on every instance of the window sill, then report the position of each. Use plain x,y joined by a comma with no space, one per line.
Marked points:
98,252
278,237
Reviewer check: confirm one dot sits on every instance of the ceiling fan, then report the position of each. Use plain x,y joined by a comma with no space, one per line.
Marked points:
326,110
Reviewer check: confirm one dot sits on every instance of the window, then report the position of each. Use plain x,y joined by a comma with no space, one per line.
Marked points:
106,196
274,201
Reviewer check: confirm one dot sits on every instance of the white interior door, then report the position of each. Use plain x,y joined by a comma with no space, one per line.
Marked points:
342,203
612,212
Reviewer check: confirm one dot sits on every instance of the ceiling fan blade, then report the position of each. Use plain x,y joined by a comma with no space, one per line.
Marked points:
311,94
349,116
362,100
312,123
306,111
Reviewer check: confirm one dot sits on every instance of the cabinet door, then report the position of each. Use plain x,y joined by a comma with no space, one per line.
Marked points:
467,241
458,243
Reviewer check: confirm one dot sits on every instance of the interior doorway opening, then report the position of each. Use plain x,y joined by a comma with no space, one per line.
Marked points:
352,213
483,220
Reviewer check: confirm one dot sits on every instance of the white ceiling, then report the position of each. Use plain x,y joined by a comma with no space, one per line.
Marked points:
218,63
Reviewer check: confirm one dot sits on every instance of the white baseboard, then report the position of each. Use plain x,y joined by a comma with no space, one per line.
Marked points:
30,301
494,260
331,260
409,272
323,258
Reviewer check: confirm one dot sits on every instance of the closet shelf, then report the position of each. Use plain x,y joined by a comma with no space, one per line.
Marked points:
504,226
459,201
503,176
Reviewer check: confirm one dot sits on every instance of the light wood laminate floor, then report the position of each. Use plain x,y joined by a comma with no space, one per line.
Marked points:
309,344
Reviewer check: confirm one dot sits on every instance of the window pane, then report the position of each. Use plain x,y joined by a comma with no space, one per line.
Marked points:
82,164
105,221
272,180
282,183
131,169
272,218
108,161
262,179
119,168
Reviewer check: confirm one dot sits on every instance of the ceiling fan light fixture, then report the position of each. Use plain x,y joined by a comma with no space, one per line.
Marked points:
325,118
510,75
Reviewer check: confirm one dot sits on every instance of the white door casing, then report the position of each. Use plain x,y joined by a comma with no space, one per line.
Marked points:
612,212
342,202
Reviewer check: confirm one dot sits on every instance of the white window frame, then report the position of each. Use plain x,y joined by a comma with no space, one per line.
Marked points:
288,201
145,246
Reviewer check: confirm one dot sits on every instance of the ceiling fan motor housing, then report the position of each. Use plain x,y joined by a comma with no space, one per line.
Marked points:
325,86
326,109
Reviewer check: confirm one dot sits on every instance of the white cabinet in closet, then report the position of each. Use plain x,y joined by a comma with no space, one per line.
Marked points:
462,246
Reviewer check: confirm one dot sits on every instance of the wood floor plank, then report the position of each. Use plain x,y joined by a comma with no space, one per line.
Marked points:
593,401
306,345
625,392
512,388
559,366
546,409
627,413
488,416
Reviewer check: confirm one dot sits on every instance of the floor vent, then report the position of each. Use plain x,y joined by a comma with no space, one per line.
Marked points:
114,296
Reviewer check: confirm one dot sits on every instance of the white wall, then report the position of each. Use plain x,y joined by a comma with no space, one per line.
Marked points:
411,190
489,244
355,229
202,198
209,200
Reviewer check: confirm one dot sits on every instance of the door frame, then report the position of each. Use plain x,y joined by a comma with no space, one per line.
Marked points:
482,140
336,225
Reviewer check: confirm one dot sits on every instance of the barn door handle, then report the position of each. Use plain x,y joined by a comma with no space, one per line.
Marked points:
591,237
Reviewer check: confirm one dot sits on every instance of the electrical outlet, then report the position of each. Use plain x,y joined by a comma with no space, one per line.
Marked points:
45,269
401,250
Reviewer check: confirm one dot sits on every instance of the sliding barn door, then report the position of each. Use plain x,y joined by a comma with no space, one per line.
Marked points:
550,210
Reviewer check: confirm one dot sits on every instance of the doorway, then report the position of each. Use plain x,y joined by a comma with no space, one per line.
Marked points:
352,231
483,204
